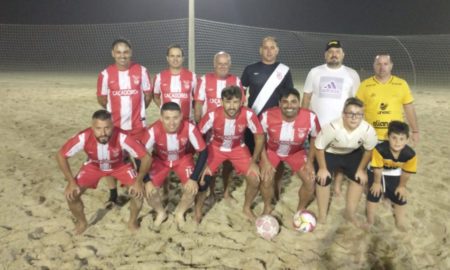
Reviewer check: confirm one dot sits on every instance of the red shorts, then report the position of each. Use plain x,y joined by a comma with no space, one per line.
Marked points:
160,169
90,174
295,161
239,156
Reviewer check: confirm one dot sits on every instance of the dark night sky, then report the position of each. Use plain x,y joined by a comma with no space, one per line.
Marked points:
376,17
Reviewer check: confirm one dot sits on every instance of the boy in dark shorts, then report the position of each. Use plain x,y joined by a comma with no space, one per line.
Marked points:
392,164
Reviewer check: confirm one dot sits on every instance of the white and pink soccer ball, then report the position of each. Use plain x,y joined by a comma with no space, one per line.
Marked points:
304,221
267,227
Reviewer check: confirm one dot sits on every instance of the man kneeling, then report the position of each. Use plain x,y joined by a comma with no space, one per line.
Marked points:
104,144
171,140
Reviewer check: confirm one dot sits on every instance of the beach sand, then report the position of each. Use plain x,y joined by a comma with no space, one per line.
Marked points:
40,111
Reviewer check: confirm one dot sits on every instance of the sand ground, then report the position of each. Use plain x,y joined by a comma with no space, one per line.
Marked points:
40,111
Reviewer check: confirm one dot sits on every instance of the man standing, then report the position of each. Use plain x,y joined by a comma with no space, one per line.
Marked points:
104,145
208,98
170,139
124,89
266,81
176,84
384,95
208,93
287,127
227,125
328,86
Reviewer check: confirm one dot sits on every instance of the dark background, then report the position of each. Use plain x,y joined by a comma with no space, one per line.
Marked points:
373,17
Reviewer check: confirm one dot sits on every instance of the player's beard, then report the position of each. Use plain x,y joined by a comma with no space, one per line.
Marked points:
231,112
103,139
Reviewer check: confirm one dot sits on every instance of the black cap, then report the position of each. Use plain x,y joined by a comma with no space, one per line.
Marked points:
333,44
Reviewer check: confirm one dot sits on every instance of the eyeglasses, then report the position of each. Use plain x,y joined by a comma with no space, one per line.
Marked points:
353,115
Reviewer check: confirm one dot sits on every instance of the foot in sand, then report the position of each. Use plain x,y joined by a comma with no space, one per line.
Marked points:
80,227
160,218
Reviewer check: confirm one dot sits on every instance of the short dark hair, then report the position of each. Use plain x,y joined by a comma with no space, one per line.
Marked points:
101,115
174,46
289,91
398,127
353,101
170,106
231,91
121,40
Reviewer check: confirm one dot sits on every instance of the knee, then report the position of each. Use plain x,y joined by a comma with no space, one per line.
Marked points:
252,181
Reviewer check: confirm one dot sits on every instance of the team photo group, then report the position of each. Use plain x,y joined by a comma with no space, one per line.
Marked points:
255,126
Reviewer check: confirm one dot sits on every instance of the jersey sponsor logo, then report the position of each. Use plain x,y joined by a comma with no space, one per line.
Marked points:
112,82
380,124
210,89
124,92
256,73
176,95
230,137
241,128
216,101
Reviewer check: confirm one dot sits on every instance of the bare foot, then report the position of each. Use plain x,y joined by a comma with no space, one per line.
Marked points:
352,220
400,226
160,218
366,226
80,227
267,210
322,220
179,219
133,226
229,199
337,191
198,215
249,214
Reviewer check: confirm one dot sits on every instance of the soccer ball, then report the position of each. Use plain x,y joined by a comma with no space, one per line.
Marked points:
267,226
304,221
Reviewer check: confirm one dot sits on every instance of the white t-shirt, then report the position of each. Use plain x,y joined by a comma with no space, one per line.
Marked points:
335,139
330,88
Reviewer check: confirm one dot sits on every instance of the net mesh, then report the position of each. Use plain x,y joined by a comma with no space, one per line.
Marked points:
421,60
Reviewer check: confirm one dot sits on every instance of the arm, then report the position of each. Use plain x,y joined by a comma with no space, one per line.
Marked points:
198,111
309,167
147,99
361,172
72,186
323,172
259,144
376,186
400,191
266,168
157,99
306,100
410,113
102,100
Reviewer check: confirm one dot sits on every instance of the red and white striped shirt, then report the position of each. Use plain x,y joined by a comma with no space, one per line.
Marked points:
177,88
107,156
229,133
125,95
173,146
209,90
286,138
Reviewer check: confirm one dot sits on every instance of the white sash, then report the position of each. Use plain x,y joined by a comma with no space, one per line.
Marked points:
269,87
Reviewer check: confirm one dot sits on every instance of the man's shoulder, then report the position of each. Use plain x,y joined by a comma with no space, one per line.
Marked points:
369,82
397,81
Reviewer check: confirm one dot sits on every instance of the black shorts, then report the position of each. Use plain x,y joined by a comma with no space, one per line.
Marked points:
348,163
389,185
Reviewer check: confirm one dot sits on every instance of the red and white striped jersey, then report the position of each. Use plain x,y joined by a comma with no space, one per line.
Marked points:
229,133
177,88
173,146
107,156
284,137
125,94
209,90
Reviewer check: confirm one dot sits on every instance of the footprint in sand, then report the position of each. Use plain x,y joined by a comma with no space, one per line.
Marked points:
37,234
